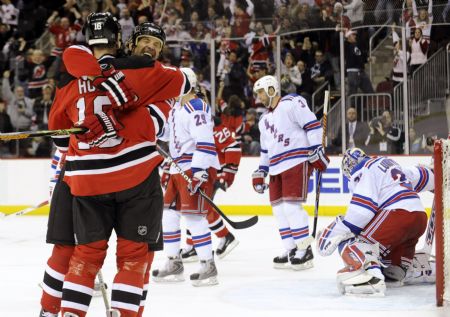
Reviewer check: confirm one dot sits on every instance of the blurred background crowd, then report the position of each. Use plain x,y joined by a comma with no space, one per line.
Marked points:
232,43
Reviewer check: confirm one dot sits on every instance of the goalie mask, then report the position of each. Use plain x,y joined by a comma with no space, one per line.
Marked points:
102,28
352,158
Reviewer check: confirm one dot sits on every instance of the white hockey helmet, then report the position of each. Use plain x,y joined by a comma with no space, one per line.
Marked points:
352,157
265,83
190,76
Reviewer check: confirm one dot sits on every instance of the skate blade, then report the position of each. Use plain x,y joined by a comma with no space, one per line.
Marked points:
300,267
230,248
282,266
169,279
206,282
190,259
420,280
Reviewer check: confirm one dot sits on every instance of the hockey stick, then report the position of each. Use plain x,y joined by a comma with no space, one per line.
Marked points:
319,173
23,211
429,234
110,312
236,225
35,134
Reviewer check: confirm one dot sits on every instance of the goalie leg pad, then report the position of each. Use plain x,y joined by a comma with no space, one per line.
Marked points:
422,270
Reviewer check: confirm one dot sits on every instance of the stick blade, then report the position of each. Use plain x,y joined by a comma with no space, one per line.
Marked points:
244,224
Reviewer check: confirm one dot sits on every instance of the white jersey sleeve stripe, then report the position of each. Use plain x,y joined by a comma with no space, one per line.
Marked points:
423,180
364,202
402,195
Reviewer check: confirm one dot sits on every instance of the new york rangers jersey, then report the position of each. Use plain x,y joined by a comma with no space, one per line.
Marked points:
189,131
378,184
288,133
421,177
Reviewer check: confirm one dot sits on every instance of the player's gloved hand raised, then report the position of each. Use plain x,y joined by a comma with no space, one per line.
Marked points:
199,178
226,178
318,159
258,177
115,85
165,177
100,127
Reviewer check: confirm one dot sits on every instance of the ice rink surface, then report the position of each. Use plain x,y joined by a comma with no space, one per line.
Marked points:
249,286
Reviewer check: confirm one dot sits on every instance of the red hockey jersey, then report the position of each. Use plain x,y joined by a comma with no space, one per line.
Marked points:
228,149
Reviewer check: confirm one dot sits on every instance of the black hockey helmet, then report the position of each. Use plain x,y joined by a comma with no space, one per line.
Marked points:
149,29
102,28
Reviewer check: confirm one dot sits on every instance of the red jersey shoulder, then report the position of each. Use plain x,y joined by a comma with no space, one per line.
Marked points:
223,137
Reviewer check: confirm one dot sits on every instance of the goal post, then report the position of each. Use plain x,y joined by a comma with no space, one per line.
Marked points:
442,206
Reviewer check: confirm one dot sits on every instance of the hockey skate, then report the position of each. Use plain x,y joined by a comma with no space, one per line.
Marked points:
44,313
207,275
374,287
172,271
226,245
422,270
301,263
188,254
281,261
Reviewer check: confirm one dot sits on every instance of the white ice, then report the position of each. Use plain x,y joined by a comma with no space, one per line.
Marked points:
249,286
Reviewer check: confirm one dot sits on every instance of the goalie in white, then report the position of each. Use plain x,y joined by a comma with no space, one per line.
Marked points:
381,227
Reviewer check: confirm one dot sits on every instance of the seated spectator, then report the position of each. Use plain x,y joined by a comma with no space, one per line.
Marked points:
416,145
289,68
251,134
42,108
321,71
356,132
306,89
384,137
5,127
20,108
127,24
35,73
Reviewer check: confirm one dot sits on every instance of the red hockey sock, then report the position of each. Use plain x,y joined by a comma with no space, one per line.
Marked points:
150,257
215,223
127,289
57,266
78,286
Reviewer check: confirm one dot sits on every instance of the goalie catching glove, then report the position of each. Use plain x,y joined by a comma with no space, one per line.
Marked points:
318,159
258,177
199,178
116,87
100,127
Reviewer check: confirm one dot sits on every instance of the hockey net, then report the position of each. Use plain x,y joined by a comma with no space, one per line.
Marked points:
442,205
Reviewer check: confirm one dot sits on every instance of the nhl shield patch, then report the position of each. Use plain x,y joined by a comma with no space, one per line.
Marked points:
142,230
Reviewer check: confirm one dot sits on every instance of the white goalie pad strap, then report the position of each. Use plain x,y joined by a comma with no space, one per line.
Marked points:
328,239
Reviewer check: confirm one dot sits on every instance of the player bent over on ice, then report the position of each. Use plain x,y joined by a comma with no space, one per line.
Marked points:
384,221
291,138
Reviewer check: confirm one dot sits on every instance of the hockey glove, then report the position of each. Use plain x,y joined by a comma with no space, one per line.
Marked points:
100,127
113,82
226,179
165,177
318,159
335,235
258,181
199,178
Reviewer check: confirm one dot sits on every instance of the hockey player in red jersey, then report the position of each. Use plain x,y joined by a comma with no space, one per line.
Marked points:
147,38
229,153
116,172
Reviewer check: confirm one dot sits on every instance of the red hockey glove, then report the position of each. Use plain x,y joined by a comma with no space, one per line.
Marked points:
113,82
100,127
226,178
165,177
318,159
199,178
258,181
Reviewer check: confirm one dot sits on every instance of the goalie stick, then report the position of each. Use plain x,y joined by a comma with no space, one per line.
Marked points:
23,211
35,134
319,173
236,225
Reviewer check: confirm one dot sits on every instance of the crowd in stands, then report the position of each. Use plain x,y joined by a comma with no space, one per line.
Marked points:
33,35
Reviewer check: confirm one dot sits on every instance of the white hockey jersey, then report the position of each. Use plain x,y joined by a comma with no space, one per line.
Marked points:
288,133
421,177
379,184
189,131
